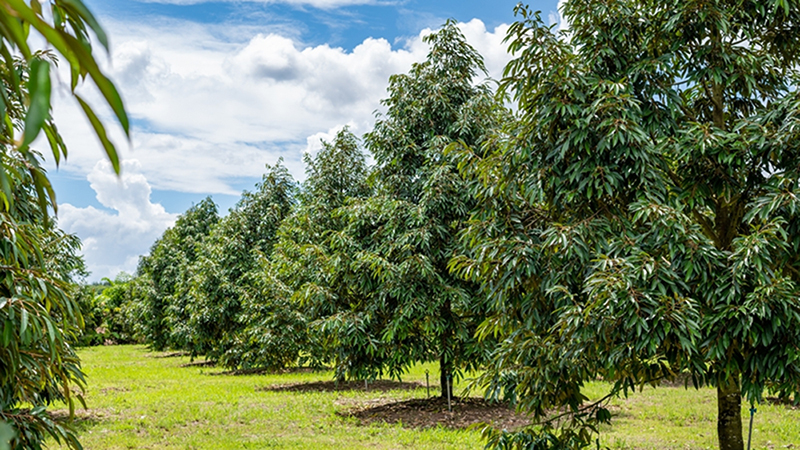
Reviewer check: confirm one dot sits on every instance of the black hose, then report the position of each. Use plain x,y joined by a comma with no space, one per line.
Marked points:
750,433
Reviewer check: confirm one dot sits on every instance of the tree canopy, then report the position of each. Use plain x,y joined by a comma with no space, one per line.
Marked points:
639,221
632,218
39,316
225,271
397,303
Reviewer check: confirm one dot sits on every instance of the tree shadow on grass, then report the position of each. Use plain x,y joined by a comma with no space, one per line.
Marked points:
160,355
788,402
334,386
82,420
268,371
203,363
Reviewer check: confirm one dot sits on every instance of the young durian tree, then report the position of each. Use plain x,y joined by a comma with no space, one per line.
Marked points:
640,223
399,303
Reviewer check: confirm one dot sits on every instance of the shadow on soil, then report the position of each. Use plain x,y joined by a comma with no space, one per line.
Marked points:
333,386
433,412
81,421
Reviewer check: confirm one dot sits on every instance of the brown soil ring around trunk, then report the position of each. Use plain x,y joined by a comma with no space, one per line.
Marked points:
433,412
333,386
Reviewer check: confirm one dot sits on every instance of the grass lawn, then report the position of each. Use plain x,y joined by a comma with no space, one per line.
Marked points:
138,401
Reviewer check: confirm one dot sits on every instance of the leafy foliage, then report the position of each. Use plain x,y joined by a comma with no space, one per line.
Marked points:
635,219
40,320
165,272
281,328
39,262
638,222
388,299
108,310
25,104
226,271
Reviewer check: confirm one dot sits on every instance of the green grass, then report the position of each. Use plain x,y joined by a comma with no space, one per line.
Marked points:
680,418
137,401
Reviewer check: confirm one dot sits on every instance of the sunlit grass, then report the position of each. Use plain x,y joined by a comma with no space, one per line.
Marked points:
137,401
681,418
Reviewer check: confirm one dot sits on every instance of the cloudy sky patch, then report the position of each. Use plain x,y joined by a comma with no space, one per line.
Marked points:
216,90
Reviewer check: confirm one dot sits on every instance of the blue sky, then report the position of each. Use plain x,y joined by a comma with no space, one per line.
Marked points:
218,89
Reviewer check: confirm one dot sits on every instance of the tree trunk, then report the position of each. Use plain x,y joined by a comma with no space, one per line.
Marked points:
445,375
445,342
729,416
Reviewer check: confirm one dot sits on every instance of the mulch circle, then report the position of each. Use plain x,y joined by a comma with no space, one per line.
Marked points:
267,371
167,355
433,412
333,386
204,363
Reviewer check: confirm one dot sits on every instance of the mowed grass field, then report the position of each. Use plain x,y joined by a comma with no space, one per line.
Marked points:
139,401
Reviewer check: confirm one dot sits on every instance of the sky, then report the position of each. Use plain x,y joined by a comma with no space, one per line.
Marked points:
218,89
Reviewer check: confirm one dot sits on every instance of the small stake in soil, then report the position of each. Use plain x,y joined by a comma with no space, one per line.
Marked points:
428,382
366,386
750,433
449,406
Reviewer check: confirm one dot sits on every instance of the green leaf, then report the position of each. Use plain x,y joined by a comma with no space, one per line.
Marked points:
100,130
43,190
13,31
3,108
78,7
106,87
39,93
23,321
8,331
7,433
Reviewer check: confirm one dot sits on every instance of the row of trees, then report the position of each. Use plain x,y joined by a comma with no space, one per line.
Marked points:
633,218
349,268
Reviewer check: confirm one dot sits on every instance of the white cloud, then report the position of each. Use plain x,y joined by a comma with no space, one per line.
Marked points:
210,108
563,23
112,242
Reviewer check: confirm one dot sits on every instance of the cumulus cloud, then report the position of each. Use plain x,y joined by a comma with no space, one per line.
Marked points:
113,241
563,23
209,109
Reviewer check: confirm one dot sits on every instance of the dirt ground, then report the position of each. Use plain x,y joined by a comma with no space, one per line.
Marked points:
333,386
432,412
411,413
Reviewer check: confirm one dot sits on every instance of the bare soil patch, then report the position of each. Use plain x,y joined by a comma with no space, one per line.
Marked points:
433,412
333,386
264,370
205,363
106,390
83,418
683,380
167,355
785,401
